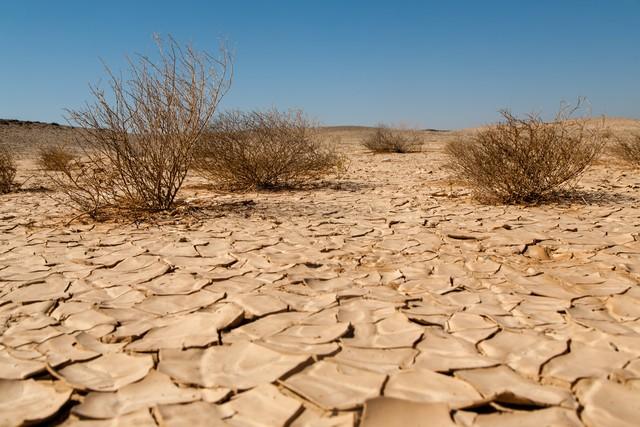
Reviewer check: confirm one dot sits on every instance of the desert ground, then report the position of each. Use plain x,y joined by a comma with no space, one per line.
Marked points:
383,296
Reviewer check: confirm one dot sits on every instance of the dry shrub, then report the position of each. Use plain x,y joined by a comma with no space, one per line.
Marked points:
264,149
628,149
387,140
54,158
526,160
7,169
138,139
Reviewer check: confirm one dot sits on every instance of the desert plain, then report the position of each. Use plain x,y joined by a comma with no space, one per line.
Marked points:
384,296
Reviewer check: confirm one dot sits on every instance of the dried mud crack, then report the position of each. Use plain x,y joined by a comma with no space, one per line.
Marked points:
326,307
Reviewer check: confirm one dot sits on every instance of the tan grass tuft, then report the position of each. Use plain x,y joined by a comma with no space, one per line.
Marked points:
264,149
387,140
525,160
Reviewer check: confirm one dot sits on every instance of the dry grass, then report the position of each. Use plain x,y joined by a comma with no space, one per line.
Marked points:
525,160
628,149
387,140
54,158
7,169
268,149
139,138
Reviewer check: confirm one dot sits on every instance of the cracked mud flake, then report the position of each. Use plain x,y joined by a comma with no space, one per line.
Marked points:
258,305
545,286
387,411
524,351
392,332
16,337
172,304
607,403
241,365
427,286
366,310
421,385
309,334
308,303
88,319
483,266
299,348
264,326
624,307
12,368
64,349
28,401
112,297
140,418
196,414
52,288
335,386
310,418
501,384
462,321
584,361
442,352
384,361
91,343
109,258
543,417
175,283
131,271
328,285
263,406
109,372
155,389
190,330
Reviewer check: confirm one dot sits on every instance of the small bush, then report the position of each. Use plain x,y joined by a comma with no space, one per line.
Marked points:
525,160
7,169
260,149
54,158
628,149
386,140
91,185
138,138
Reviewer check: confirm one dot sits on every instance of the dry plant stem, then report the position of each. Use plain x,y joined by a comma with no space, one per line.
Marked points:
526,160
387,140
138,139
8,169
271,149
54,158
628,149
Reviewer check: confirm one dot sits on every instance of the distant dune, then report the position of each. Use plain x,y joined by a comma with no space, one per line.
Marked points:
26,135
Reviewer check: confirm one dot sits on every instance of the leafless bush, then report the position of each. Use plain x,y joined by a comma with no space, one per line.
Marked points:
54,158
264,150
138,139
7,169
628,149
387,140
526,160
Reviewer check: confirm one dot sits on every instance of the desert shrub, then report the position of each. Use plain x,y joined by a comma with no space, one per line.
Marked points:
386,140
138,138
54,158
524,160
628,149
7,169
264,149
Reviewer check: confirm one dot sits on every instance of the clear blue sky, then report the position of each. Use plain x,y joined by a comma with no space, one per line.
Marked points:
441,64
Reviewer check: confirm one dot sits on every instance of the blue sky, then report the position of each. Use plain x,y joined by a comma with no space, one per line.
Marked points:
439,64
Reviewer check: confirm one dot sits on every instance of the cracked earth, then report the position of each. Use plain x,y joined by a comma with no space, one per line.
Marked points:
388,297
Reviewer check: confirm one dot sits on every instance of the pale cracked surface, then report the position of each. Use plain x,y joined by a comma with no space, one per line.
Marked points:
386,297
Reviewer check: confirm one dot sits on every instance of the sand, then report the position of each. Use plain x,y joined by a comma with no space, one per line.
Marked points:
386,296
